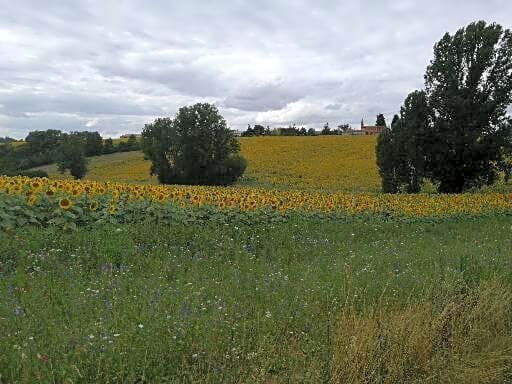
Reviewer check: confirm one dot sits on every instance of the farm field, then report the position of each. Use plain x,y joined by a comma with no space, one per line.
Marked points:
324,163
280,278
327,163
306,300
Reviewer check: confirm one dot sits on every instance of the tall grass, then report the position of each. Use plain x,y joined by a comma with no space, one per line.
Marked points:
303,301
462,335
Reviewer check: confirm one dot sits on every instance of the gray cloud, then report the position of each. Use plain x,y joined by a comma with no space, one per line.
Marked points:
102,65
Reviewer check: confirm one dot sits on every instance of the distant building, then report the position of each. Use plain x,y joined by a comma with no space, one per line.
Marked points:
236,132
371,129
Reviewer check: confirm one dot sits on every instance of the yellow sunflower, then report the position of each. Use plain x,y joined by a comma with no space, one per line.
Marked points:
94,206
65,203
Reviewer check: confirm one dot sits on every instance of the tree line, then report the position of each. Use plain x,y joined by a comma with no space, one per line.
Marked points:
293,130
455,133
68,150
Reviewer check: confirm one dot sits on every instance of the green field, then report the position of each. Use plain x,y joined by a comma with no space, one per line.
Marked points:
223,296
306,300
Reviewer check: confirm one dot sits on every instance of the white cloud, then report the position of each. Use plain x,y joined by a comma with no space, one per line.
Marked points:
73,65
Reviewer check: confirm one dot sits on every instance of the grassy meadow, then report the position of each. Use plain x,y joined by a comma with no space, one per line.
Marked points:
306,300
300,273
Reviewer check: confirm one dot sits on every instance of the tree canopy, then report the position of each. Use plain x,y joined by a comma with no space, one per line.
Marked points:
457,132
196,147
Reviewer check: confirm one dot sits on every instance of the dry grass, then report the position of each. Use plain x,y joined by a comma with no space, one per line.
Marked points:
460,337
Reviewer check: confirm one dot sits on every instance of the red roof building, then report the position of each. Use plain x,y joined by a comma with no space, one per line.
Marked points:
371,129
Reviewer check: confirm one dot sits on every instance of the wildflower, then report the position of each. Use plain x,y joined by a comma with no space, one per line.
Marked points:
140,326
18,311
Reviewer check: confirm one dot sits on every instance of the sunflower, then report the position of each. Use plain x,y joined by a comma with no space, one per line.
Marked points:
50,192
94,206
112,209
65,203
32,199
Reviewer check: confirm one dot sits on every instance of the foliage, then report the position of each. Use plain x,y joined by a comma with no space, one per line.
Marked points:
402,151
108,146
258,130
130,145
71,155
469,87
386,161
381,121
457,133
93,143
195,148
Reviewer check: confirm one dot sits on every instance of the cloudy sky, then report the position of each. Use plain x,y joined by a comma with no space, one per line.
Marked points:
112,66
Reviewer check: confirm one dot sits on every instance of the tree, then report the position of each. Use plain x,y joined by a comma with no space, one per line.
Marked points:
326,130
71,155
381,121
311,132
386,161
469,87
412,140
132,143
258,130
343,128
195,148
402,149
43,141
93,143
249,131
108,146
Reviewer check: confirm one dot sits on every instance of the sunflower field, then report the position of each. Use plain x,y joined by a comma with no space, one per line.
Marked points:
323,163
43,201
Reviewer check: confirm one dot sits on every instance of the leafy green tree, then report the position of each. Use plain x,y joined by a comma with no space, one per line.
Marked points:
93,143
326,130
469,87
412,139
259,130
108,146
71,155
132,142
43,141
381,121
195,148
401,149
311,132
8,163
386,161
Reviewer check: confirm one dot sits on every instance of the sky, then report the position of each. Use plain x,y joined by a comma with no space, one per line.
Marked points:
112,66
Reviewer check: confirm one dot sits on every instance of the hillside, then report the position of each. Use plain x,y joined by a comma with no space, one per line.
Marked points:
343,163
